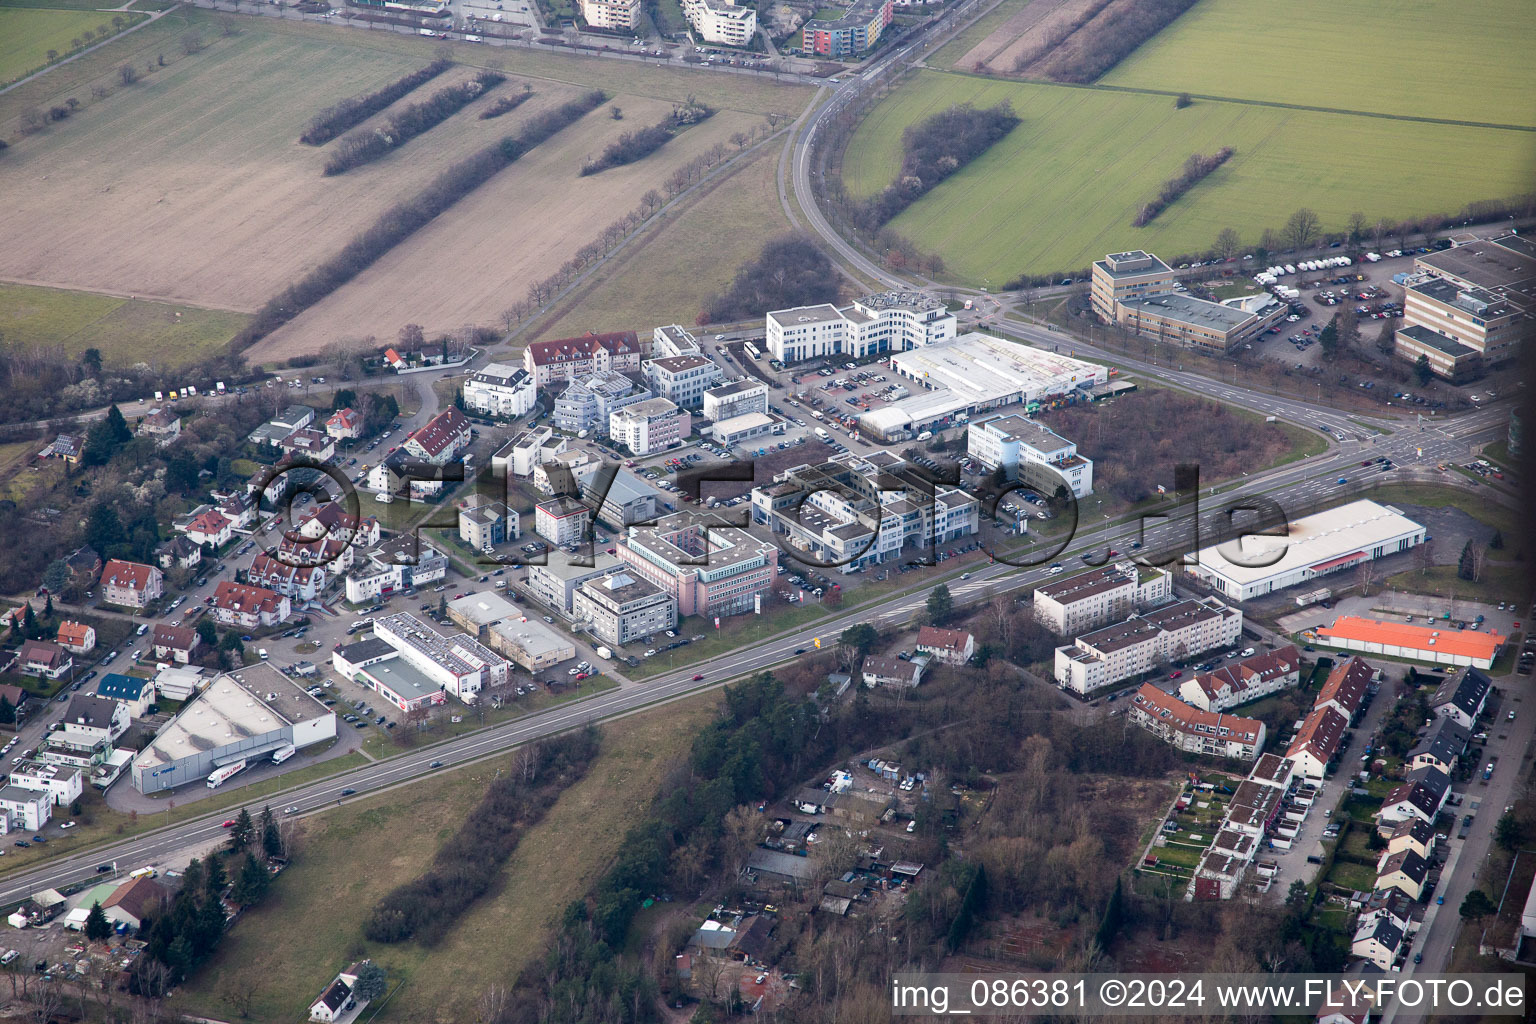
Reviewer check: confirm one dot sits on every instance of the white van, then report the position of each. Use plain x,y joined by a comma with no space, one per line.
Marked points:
261,652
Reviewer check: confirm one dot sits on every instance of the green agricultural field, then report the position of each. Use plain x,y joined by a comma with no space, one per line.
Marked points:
126,331
27,34
1430,58
1062,188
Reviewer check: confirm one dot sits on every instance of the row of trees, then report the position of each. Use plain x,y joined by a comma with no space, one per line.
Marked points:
471,861
354,110
508,103
641,143
1196,168
932,150
368,145
402,220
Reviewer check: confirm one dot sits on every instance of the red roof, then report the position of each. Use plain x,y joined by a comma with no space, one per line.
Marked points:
564,350
1464,643
75,633
1320,734
1346,685
126,574
239,598
211,522
1353,556
1187,718
943,639
441,432
347,419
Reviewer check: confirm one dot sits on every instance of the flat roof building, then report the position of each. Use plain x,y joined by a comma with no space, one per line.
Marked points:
1009,440
1326,542
622,608
459,664
973,374
1127,275
1440,645
240,715
873,325
533,645
708,567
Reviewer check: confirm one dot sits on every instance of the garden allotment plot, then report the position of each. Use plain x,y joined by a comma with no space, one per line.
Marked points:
1444,59
1062,188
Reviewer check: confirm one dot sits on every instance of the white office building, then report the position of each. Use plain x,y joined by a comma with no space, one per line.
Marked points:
589,399
1006,441
622,608
460,664
682,379
1317,545
875,324
736,398
674,340
500,389
653,425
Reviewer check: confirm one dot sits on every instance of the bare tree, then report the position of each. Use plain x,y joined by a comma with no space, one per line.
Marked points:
240,993
1228,243
1300,230
1364,575
1479,561
127,74
46,1000
1424,556
493,1005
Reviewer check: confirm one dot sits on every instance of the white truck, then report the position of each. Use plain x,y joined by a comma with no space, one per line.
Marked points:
425,32
604,653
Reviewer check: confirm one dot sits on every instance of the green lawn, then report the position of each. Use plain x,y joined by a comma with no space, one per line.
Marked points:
1349,53
1352,876
27,34
1062,188
740,631
126,331
829,13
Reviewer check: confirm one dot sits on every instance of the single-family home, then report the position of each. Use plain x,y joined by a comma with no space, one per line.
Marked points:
44,659
135,900
212,528
1439,745
66,446
309,443
338,998
879,670
178,553
84,566
948,646
345,424
162,424
175,643
1420,795
1318,741
132,692
1405,871
1378,940
1462,696
76,637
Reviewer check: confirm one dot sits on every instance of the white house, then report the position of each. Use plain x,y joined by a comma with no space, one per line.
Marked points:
500,389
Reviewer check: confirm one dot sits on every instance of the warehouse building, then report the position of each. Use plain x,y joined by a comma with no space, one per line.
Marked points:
241,715
974,373
1317,545
1439,645
459,664
533,645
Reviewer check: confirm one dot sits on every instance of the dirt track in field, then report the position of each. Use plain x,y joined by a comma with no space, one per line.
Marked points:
1024,36
478,258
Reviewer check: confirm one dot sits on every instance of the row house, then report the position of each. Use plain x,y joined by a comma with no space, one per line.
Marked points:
1462,696
1195,730
1421,794
1318,742
1439,746
1249,680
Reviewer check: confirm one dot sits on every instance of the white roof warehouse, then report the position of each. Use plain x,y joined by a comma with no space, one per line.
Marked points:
1329,541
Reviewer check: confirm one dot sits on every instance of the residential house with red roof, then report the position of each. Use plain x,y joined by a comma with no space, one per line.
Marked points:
564,358
1194,730
1318,741
237,604
131,584
948,646
1249,680
443,437
345,424
212,528
76,637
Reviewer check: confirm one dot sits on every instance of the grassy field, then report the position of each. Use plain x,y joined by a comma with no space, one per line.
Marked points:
125,331
319,905
27,34
1344,54
1062,188
948,55
685,259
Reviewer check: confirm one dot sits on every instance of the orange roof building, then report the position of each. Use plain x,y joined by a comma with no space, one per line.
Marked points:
1436,644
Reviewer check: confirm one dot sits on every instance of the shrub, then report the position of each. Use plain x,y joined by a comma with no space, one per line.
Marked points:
365,146
354,110
505,105
1195,169
641,143
1108,38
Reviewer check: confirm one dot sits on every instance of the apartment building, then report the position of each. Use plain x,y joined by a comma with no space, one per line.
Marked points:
707,567
586,404
874,324
485,523
131,584
855,31
501,389
236,604
622,607
682,379
459,664
566,358
526,450
614,15
721,22
1194,730
1074,604
295,582
1007,440
442,438
562,520
855,511
1145,642
736,398
653,425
